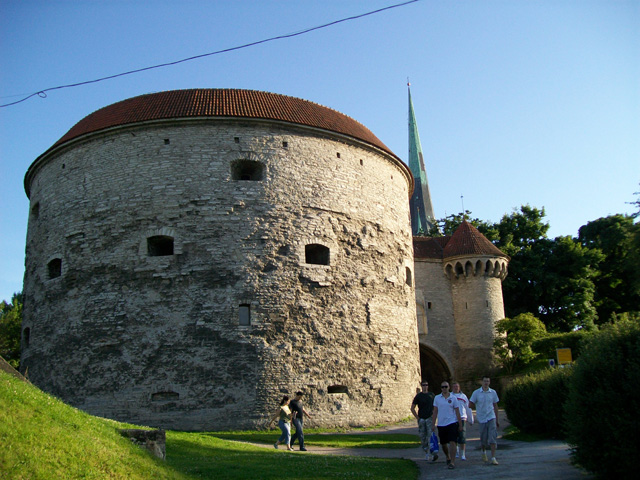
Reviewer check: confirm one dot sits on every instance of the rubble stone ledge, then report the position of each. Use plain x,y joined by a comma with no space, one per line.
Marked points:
152,440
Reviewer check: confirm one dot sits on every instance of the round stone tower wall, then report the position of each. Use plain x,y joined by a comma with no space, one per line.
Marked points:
187,274
476,286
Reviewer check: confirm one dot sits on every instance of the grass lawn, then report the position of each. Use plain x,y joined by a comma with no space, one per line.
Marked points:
203,455
41,438
323,439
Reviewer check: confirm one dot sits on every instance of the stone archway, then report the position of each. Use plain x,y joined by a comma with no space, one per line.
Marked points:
433,367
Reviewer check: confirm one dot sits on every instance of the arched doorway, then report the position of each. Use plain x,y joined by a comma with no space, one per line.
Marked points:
434,369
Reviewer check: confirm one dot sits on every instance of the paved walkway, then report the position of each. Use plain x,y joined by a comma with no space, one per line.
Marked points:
548,459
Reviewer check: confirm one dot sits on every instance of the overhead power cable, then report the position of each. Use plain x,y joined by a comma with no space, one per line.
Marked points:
43,93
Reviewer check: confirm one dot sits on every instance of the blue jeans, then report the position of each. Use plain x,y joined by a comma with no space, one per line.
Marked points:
299,435
286,432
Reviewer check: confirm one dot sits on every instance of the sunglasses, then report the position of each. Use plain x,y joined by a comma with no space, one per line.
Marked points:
444,386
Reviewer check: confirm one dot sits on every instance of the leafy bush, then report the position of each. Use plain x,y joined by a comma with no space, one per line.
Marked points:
546,346
534,402
603,402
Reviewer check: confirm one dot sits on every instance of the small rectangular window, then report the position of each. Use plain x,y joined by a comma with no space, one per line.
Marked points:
316,254
160,246
165,396
247,170
337,389
244,315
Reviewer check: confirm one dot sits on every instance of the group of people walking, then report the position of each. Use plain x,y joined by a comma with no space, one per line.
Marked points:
451,411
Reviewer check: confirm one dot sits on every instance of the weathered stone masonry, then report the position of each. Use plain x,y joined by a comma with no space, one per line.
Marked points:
184,273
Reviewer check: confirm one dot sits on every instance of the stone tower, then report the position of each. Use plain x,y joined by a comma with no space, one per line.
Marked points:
194,255
458,301
475,267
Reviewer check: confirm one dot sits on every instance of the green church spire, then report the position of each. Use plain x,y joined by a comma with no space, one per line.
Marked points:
422,217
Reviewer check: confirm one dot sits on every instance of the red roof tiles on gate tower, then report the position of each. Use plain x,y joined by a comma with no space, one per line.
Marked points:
467,240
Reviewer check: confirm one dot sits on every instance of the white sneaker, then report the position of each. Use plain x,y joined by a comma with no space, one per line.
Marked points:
494,461
457,455
464,457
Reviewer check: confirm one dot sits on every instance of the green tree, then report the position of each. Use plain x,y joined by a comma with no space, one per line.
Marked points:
450,223
552,279
567,294
636,202
10,325
512,346
617,286
523,236
521,229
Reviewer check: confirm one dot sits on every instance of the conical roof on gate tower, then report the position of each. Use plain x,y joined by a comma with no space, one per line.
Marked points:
467,240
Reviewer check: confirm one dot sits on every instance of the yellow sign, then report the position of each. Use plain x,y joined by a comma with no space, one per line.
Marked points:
564,356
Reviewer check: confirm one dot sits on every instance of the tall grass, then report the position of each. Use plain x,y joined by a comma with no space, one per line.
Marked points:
43,438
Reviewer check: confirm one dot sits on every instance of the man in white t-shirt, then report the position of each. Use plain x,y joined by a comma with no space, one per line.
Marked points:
486,401
446,410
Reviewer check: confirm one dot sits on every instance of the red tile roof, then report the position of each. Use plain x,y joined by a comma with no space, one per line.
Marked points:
467,240
198,103
429,247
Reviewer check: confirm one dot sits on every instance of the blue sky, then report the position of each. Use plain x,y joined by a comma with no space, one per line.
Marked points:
517,102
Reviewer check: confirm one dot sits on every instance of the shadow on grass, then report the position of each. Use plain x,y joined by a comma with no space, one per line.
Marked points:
333,440
204,456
